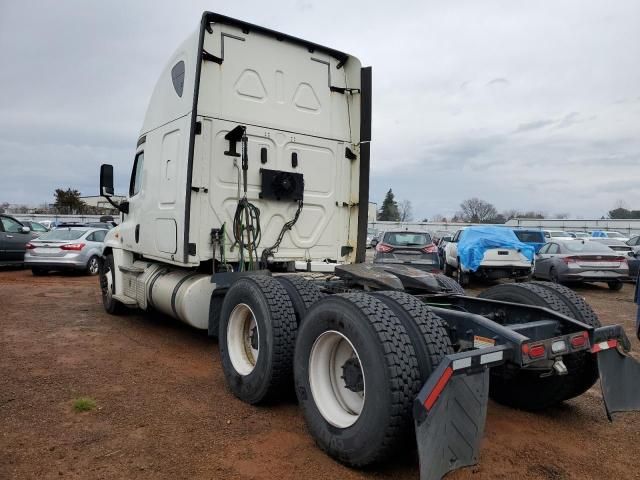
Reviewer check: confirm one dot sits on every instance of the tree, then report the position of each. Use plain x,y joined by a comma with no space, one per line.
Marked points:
561,216
623,213
477,211
68,201
389,211
406,211
4,206
439,218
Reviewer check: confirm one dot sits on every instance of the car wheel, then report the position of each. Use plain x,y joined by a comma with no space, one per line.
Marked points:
553,275
616,285
93,266
462,277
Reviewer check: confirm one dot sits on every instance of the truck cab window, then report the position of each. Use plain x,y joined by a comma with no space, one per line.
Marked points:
136,175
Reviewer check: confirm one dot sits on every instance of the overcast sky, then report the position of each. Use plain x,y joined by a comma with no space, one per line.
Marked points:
529,105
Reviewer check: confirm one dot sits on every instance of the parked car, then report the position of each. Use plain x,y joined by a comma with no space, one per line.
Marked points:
579,234
607,234
581,261
72,248
634,241
14,237
496,252
371,234
534,237
441,244
553,234
36,227
615,245
409,248
105,225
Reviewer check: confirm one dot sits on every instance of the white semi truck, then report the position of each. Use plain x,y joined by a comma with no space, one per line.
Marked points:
253,161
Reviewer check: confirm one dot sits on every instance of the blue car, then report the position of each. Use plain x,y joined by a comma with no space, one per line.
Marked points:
533,237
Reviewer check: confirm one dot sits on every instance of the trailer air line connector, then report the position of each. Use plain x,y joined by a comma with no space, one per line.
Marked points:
246,221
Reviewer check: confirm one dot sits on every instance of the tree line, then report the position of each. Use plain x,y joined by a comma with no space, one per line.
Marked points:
476,210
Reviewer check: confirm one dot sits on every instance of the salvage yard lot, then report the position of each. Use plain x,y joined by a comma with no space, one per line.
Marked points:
163,411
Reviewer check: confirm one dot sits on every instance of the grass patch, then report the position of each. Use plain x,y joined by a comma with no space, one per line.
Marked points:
84,404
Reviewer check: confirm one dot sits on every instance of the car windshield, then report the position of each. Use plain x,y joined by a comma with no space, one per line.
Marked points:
581,234
529,237
407,239
615,235
585,247
63,234
559,234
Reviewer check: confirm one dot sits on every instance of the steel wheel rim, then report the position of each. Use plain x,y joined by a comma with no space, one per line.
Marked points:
337,404
243,339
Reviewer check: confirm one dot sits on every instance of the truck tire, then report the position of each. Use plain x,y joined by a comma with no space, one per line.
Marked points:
450,284
256,338
581,311
303,293
426,330
348,345
215,310
526,389
106,270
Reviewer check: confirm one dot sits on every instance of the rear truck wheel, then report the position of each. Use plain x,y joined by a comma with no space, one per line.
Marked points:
256,338
615,285
215,310
38,272
426,330
582,312
108,286
303,293
93,266
356,377
462,277
532,389
449,284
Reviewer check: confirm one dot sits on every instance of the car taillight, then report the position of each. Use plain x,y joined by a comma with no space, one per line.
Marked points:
384,248
30,246
73,246
431,248
569,260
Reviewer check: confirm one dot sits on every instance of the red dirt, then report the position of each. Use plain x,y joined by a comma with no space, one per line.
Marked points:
163,410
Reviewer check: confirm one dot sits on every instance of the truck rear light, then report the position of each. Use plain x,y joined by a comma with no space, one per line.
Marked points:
558,346
30,246
533,351
578,341
73,246
384,248
431,248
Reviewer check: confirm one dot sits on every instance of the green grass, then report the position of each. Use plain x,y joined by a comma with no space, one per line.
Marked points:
84,404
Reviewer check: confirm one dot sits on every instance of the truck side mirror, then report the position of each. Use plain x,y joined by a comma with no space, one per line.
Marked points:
106,180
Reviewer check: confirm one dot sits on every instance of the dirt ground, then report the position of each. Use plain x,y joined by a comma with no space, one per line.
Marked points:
163,411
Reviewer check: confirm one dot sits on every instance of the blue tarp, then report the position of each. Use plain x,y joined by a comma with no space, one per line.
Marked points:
599,234
475,241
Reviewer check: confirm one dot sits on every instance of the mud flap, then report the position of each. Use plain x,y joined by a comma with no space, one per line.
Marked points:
620,381
451,409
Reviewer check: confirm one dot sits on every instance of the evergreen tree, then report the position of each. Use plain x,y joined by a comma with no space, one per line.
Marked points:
389,211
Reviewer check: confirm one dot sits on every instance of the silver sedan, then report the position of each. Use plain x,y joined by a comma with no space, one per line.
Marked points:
73,248
581,261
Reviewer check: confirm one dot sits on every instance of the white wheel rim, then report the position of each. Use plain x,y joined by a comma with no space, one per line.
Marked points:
339,406
242,325
109,277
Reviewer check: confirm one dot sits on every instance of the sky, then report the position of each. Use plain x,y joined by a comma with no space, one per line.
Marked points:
527,105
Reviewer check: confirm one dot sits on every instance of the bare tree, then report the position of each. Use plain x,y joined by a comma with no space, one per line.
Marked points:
406,211
439,218
562,215
477,211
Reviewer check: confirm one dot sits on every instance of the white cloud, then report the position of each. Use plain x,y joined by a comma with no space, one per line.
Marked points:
531,105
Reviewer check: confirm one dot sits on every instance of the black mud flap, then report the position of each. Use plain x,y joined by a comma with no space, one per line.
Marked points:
451,409
620,381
